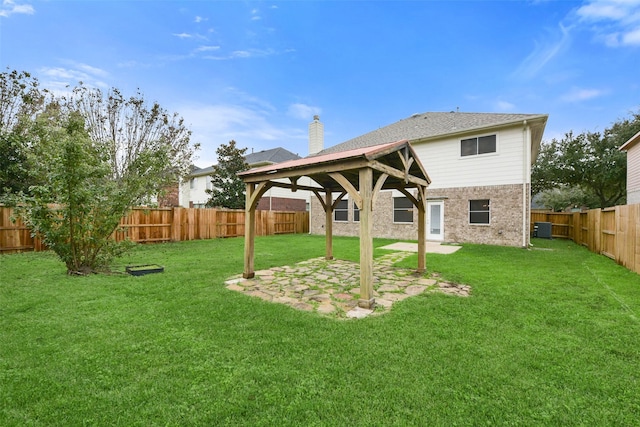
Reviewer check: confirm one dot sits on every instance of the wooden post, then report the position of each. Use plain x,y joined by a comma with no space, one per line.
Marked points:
176,224
422,228
328,225
366,239
249,232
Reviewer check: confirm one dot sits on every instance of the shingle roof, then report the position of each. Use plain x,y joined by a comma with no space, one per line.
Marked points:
429,125
274,155
264,157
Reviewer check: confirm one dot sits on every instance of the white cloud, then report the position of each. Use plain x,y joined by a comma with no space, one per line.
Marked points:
207,48
249,125
251,53
615,22
505,106
580,94
303,111
59,80
632,38
599,9
9,7
183,35
543,53
199,19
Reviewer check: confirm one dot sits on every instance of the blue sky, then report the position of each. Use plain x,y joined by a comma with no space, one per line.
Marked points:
257,71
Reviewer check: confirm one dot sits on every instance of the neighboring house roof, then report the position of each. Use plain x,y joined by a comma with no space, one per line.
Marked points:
260,158
268,157
426,126
631,142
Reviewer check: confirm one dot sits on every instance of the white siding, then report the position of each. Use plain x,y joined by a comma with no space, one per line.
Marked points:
195,192
633,175
447,169
198,196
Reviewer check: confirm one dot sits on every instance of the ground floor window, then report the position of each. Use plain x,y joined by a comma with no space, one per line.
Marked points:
341,212
402,210
479,212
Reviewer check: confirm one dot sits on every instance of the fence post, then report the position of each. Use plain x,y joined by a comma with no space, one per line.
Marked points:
176,213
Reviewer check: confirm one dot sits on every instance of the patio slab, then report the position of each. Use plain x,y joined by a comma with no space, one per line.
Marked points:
432,247
331,287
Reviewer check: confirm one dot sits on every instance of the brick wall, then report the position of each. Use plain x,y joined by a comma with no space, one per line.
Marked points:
171,198
281,204
505,226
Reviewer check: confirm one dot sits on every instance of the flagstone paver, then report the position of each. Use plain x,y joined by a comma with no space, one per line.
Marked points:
331,288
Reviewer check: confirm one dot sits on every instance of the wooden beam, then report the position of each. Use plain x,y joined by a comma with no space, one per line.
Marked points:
249,231
307,170
406,162
422,228
409,196
256,193
344,182
324,205
338,200
328,226
299,187
381,167
376,190
366,240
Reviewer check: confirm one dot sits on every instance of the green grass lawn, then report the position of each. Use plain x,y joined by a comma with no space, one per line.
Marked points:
550,336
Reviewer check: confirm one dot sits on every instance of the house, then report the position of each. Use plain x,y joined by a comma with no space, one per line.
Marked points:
480,170
633,168
193,189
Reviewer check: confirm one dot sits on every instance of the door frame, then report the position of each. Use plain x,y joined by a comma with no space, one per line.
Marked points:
435,237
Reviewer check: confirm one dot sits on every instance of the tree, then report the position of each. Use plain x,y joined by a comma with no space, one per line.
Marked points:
560,198
79,207
590,161
147,147
95,157
228,188
20,100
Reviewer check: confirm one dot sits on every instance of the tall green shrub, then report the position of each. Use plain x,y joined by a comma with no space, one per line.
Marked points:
78,207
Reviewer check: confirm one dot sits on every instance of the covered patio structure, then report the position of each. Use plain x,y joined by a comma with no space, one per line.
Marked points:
360,173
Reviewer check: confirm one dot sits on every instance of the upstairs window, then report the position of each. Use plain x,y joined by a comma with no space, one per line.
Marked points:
341,212
479,211
402,210
478,145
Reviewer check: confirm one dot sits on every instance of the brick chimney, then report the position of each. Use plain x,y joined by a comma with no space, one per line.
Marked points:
316,135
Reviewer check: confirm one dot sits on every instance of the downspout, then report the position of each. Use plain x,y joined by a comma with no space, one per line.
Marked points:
525,168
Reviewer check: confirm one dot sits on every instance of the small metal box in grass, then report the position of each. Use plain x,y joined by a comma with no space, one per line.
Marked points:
141,270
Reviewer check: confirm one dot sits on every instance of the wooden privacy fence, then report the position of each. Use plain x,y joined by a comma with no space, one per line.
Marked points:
613,232
166,225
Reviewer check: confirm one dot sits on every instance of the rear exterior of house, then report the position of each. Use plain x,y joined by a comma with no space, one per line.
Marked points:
480,168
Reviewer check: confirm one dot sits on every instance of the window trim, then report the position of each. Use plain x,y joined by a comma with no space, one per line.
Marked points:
488,211
476,154
356,210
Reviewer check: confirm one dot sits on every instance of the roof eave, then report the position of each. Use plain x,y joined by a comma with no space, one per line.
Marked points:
500,125
630,143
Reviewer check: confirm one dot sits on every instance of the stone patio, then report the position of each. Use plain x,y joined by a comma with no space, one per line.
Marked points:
332,288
